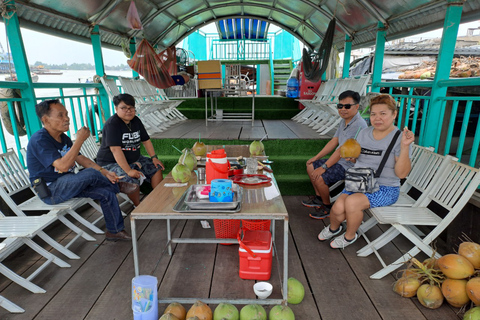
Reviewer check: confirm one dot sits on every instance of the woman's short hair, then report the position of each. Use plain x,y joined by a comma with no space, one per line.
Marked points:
128,99
43,108
384,99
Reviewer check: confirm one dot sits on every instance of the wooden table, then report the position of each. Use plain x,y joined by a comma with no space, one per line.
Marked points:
258,203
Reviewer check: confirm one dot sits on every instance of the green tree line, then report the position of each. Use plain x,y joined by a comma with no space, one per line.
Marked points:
78,66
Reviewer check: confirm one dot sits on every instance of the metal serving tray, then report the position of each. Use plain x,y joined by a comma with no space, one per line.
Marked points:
189,203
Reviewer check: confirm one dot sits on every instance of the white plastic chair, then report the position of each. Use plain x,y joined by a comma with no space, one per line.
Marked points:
15,179
453,186
10,306
18,231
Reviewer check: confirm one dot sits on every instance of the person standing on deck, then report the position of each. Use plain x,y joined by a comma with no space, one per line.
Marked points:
120,148
51,158
326,172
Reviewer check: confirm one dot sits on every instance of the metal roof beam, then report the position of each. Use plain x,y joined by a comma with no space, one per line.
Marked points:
207,4
96,18
311,27
274,4
151,17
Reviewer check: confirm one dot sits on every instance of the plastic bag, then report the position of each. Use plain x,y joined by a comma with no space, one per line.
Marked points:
133,18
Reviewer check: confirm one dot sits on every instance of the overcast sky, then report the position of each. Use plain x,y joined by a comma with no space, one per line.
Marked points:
53,50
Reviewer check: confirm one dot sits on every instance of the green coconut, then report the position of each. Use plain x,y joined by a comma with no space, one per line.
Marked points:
181,173
226,311
295,291
253,312
199,148
188,158
256,148
472,314
281,312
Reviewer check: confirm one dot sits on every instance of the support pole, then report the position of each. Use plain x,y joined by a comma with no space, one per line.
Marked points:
104,101
32,123
379,54
346,57
447,48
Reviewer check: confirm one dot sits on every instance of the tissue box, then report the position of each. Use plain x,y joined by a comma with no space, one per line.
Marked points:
221,190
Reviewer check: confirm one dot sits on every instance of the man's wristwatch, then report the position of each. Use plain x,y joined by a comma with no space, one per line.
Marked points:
324,166
154,157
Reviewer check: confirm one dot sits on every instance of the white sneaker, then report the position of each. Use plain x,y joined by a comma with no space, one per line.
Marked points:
326,234
340,242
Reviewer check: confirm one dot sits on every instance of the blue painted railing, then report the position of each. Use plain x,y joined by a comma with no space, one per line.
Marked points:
458,132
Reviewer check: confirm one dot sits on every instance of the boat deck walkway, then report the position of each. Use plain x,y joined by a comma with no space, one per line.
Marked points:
98,286
240,130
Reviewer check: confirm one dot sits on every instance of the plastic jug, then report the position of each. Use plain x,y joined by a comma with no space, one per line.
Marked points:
217,165
292,88
145,298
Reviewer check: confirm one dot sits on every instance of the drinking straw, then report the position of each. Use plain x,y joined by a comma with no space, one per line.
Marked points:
199,137
264,137
176,148
356,134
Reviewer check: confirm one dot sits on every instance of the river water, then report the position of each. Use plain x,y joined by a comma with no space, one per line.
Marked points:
68,76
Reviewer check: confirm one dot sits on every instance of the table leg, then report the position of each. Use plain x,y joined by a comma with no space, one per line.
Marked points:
285,259
134,247
272,230
169,238
206,108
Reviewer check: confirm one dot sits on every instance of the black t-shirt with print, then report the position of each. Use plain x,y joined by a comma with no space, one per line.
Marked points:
118,133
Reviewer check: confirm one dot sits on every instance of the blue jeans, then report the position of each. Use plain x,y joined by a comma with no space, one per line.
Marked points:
89,183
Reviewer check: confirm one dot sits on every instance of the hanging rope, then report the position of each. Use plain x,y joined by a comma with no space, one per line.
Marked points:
8,9
315,63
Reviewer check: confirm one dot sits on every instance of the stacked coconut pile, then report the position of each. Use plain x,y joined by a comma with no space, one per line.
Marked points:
463,67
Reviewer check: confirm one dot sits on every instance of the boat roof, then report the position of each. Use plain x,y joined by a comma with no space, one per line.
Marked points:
168,22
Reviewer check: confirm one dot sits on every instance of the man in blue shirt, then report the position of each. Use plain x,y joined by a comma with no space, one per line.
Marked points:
51,158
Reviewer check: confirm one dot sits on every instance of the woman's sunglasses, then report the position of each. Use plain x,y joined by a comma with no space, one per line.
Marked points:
346,106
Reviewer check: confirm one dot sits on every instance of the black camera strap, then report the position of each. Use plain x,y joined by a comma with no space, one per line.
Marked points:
387,153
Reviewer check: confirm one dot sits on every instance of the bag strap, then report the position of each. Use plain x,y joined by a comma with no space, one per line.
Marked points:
387,153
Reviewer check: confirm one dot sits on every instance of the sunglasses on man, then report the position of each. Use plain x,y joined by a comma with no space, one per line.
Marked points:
346,106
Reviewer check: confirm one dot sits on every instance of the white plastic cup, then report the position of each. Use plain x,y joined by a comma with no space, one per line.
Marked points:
251,165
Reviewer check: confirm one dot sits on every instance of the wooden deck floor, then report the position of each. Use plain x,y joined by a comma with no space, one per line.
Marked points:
98,286
240,130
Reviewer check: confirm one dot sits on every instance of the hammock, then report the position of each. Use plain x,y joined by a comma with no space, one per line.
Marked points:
169,59
148,64
313,71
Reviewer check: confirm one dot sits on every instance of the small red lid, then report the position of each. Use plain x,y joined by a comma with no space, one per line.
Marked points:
219,153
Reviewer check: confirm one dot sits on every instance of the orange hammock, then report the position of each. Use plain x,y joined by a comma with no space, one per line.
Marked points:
148,64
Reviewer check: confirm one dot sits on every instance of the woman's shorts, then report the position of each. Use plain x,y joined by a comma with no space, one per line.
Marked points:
333,174
384,197
143,164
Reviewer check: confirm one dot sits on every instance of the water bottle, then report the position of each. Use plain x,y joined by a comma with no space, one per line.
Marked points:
292,88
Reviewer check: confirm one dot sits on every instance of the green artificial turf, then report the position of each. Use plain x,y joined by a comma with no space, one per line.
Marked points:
285,108
289,159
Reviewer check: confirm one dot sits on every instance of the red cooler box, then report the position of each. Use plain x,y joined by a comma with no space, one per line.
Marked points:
255,255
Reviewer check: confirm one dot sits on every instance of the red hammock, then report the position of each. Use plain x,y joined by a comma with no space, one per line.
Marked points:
148,64
169,60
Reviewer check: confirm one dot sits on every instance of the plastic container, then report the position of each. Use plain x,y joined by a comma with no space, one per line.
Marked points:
217,165
292,88
145,298
255,254
221,190
262,225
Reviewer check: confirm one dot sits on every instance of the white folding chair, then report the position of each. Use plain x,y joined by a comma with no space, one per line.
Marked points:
453,187
17,231
10,306
15,179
